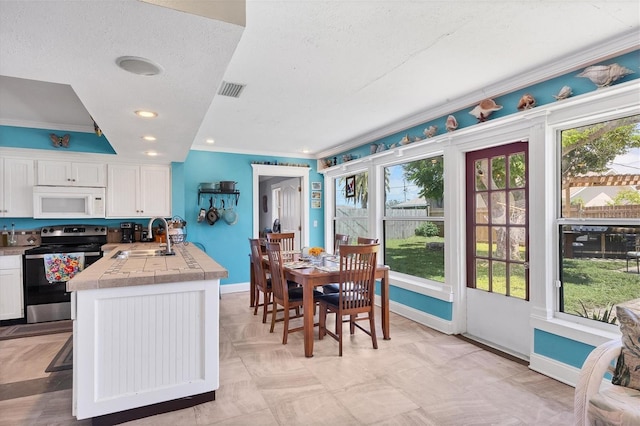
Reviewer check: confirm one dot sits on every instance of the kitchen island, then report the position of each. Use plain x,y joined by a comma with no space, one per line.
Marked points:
145,332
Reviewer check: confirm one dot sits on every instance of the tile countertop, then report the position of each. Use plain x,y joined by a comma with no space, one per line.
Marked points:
189,264
14,250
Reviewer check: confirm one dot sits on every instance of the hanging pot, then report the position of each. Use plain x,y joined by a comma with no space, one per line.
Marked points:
227,185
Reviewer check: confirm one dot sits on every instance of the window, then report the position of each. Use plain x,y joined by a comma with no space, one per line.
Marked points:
414,218
599,229
352,212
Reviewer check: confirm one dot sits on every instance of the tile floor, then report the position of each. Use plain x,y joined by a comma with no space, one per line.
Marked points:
419,377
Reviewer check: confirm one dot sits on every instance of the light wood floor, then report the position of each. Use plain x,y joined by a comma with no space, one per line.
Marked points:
419,377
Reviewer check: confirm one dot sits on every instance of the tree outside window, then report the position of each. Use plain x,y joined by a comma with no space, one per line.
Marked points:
599,218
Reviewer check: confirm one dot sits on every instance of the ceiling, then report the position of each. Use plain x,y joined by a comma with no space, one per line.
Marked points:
318,74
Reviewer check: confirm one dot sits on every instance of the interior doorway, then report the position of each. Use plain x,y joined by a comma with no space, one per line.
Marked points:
267,177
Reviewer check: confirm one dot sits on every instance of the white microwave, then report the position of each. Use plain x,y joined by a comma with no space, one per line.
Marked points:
64,202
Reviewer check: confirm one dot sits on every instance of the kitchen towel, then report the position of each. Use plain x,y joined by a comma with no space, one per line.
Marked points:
61,267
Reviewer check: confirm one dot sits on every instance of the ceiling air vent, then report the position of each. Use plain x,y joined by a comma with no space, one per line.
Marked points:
231,89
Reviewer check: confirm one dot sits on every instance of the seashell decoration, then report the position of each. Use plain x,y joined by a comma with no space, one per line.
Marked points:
527,101
564,93
430,131
451,123
405,140
604,75
483,110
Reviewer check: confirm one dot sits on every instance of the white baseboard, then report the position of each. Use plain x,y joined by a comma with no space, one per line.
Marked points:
234,288
554,369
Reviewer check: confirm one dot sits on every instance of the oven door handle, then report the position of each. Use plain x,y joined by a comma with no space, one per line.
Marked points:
41,256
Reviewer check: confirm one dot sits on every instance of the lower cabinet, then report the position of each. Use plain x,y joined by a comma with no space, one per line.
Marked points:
11,297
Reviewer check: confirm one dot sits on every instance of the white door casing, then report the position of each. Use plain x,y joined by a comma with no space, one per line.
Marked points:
286,171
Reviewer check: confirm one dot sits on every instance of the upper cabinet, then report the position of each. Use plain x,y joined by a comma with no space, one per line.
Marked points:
66,173
16,187
138,191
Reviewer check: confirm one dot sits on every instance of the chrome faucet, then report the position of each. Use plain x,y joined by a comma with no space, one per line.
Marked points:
166,230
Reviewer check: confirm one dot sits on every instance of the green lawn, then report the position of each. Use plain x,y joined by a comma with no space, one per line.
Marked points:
598,284
410,256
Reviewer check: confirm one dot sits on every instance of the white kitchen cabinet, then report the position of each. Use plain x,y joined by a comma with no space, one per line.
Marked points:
16,187
11,304
138,191
68,173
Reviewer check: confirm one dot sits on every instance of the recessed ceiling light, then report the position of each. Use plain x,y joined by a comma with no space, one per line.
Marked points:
151,153
305,150
139,66
149,138
210,140
146,114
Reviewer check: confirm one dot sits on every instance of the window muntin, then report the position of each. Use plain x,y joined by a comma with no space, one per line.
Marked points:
497,226
414,218
599,212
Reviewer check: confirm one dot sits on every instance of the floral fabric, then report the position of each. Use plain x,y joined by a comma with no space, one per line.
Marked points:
62,267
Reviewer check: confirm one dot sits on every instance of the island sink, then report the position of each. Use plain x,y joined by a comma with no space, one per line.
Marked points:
123,254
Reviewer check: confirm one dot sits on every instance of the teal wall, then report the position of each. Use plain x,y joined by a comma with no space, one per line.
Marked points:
229,245
28,138
565,350
420,302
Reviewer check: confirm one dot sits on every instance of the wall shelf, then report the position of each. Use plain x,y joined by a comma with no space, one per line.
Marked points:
217,192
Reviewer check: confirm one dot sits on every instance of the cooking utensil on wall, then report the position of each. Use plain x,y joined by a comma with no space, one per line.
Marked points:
212,213
230,216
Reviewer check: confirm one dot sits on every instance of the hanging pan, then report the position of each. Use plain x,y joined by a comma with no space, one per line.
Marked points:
212,213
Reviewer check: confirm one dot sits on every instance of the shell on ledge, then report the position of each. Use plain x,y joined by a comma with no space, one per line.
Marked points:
604,75
405,140
527,101
452,123
483,110
564,93
430,131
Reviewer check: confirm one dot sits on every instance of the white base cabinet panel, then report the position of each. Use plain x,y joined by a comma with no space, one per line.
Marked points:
141,345
11,298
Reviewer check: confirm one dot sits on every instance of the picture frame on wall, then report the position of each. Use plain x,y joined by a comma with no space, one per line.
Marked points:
316,195
350,187
316,186
316,204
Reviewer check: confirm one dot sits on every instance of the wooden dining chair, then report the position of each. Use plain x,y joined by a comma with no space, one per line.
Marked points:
286,241
365,240
262,283
356,296
340,240
283,295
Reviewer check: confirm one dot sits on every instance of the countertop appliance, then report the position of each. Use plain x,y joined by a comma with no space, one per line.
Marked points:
47,300
128,232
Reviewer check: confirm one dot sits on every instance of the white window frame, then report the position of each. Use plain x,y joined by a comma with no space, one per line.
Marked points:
600,114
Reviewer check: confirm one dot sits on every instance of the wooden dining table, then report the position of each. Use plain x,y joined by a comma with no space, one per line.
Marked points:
312,277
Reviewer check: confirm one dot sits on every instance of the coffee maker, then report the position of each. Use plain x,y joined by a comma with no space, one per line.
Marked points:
127,229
